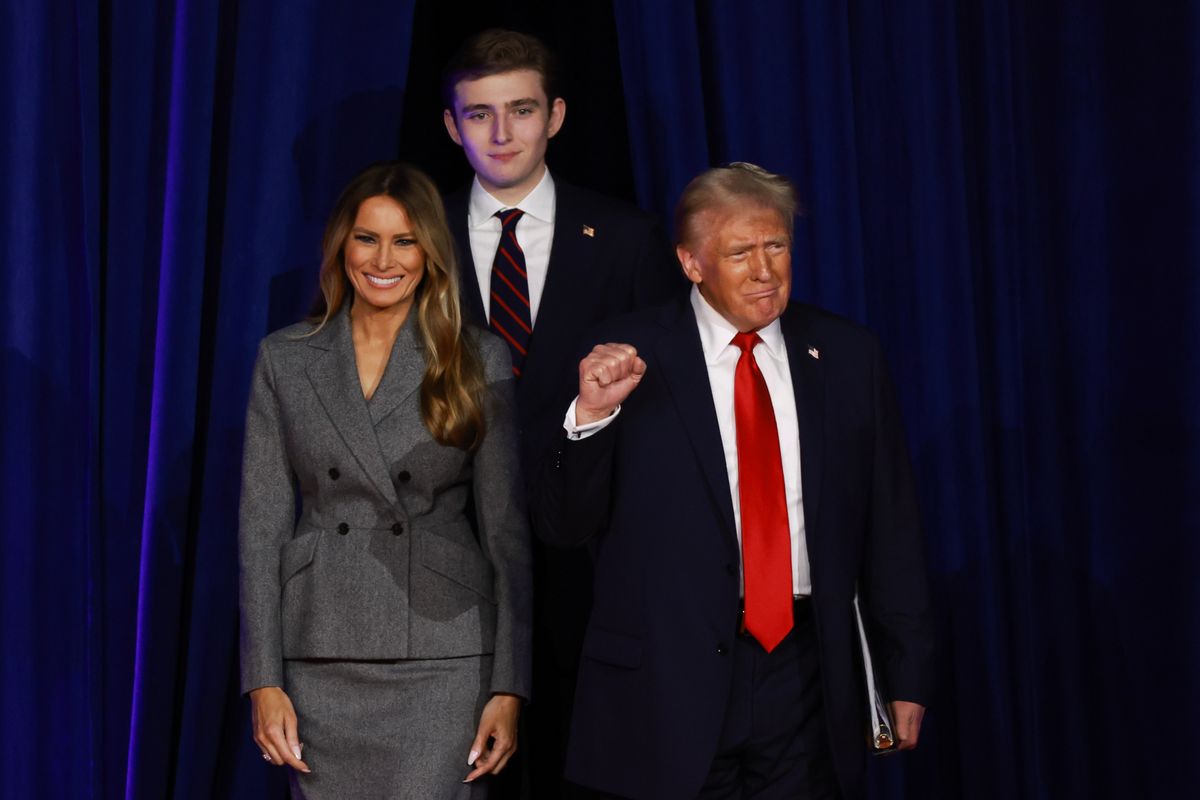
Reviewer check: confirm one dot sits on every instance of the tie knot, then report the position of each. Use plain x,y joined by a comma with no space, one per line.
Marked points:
746,341
509,217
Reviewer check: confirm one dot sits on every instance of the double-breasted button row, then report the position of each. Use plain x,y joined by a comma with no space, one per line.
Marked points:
404,476
343,528
397,529
334,474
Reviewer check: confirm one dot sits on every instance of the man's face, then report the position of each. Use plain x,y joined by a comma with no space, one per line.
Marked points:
742,261
503,123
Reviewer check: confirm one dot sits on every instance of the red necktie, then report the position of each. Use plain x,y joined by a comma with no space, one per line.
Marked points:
766,536
510,312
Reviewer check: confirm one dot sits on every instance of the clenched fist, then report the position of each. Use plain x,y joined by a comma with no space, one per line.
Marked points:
607,375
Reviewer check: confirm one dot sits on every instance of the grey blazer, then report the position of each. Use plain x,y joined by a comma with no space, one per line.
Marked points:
386,560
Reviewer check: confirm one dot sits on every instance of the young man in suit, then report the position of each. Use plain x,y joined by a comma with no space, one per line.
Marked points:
541,262
740,467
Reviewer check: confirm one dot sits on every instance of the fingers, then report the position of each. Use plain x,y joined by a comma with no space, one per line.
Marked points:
492,760
609,363
907,717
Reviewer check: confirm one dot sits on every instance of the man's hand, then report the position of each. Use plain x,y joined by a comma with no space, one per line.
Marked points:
607,375
907,717
274,721
498,722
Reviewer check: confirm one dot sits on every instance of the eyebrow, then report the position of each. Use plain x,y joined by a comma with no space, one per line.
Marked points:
524,101
401,235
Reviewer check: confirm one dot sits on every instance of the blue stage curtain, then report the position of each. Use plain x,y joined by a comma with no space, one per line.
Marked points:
167,171
1007,193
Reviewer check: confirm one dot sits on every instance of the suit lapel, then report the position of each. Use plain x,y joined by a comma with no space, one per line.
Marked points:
680,356
808,384
571,254
334,378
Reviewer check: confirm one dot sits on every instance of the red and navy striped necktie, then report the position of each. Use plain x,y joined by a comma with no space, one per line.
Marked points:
510,313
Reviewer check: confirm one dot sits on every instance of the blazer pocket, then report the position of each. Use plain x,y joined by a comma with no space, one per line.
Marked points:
297,554
609,647
463,566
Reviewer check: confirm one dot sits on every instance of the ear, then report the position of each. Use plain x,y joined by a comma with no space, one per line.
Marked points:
689,263
558,113
451,126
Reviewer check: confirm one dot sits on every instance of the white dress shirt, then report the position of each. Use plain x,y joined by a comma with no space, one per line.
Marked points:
721,357
535,233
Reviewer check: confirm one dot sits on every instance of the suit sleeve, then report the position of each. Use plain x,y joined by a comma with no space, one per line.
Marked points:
266,521
894,586
572,498
504,525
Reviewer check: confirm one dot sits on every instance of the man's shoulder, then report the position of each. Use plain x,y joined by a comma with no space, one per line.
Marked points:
820,328
601,207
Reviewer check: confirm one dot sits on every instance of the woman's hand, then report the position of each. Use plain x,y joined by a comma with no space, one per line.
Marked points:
499,723
274,721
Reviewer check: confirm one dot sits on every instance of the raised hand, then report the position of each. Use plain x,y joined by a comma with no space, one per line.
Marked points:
607,376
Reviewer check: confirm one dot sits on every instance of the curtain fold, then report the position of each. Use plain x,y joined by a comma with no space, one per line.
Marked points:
1006,193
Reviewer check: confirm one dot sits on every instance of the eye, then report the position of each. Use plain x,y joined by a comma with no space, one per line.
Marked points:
477,116
401,242
523,111
365,238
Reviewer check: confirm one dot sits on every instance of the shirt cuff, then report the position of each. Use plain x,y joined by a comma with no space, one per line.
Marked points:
577,432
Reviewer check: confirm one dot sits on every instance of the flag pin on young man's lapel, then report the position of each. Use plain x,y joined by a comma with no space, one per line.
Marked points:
814,352
589,231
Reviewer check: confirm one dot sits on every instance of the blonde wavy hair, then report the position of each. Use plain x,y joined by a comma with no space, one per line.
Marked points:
454,382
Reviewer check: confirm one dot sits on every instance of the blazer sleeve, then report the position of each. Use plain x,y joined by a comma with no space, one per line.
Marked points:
503,523
266,522
894,586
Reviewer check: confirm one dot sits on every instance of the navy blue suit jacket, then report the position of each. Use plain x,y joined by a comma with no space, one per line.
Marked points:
624,263
651,492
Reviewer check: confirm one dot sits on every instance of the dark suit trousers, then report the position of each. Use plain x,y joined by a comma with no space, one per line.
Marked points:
774,743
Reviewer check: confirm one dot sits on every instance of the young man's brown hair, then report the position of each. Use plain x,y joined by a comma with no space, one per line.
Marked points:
497,51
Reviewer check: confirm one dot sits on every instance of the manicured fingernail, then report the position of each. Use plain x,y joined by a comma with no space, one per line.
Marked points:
472,758
296,751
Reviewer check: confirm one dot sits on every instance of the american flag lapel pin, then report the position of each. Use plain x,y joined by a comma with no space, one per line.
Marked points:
814,352
589,231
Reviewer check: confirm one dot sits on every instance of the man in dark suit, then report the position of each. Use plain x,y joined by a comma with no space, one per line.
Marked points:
542,262
739,464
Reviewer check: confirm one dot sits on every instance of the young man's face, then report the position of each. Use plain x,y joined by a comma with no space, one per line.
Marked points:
503,123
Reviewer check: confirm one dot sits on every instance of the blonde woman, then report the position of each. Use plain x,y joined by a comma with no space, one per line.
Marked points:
384,544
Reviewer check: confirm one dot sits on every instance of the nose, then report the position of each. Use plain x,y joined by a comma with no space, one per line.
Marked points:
385,256
501,130
760,265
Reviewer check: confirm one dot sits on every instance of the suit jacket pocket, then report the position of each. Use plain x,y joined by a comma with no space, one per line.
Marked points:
297,554
617,649
466,567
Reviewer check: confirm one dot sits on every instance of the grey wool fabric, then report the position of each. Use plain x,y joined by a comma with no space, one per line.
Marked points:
386,561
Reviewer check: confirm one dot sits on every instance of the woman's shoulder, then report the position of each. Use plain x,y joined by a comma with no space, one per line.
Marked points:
493,352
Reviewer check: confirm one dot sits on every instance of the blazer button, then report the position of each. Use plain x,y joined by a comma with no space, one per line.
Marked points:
403,476
722,649
397,529
343,528
334,474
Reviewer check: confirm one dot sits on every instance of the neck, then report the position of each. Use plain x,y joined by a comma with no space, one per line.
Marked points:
371,324
513,195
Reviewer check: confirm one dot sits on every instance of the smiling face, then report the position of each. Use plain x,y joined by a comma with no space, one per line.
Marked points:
381,255
741,258
503,123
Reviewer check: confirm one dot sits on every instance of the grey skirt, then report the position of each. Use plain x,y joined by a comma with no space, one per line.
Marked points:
388,729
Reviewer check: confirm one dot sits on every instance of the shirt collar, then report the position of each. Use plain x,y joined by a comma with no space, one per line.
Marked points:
716,332
539,203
